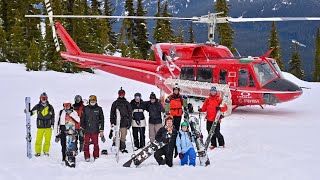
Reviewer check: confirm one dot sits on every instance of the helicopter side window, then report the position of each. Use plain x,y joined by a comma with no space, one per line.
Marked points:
243,77
204,75
223,77
187,74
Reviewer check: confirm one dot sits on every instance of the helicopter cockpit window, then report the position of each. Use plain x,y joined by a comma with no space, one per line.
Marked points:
204,75
264,72
275,65
187,74
243,77
223,77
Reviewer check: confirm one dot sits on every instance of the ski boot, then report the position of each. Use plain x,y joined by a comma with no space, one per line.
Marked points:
46,154
37,155
212,147
124,151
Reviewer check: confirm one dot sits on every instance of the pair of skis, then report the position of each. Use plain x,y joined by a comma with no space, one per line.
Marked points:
194,124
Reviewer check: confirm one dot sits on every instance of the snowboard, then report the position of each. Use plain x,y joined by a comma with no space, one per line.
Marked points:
215,122
194,124
28,126
71,145
144,154
117,135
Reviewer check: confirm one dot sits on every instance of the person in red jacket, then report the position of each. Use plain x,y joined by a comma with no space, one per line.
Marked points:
78,107
211,105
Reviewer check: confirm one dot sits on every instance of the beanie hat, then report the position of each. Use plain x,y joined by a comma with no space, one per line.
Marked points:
153,96
121,92
184,124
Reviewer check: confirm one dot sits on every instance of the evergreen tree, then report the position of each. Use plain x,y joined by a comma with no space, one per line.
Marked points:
95,45
142,32
33,57
157,36
295,63
274,43
127,33
225,32
112,38
80,26
52,58
316,71
3,43
166,30
4,14
191,34
180,35
17,44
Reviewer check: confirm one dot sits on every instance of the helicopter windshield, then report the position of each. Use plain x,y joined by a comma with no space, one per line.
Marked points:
275,65
264,72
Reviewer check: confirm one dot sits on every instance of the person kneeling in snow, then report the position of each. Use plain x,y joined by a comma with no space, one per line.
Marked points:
166,134
185,146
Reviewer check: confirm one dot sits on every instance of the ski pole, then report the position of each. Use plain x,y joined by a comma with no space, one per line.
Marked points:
131,141
199,117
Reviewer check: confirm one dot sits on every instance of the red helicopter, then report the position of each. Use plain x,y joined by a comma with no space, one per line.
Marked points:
195,67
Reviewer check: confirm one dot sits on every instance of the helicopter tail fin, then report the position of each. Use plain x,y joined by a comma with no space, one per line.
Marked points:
68,42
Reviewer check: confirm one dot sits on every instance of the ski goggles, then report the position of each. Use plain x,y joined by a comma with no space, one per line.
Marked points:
67,105
43,98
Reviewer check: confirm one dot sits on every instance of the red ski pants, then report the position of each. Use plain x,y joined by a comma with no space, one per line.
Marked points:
94,138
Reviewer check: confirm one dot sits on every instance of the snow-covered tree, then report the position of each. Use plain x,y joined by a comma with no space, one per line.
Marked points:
295,63
142,32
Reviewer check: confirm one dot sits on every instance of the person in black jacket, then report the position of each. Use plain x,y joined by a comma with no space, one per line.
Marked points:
126,118
45,124
138,121
92,123
166,134
155,108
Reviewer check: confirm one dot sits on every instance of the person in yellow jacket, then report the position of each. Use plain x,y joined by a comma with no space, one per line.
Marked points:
45,123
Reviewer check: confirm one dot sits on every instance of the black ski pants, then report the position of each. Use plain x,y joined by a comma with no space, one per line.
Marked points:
80,139
63,141
139,142
216,135
168,158
176,122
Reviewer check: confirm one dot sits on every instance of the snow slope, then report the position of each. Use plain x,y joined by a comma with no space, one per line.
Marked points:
278,142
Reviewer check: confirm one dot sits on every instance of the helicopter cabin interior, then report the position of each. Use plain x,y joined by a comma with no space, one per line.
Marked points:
247,75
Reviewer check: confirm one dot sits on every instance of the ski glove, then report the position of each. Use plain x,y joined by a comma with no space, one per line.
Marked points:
218,108
199,110
81,133
110,133
180,155
129,126
103,139
57,139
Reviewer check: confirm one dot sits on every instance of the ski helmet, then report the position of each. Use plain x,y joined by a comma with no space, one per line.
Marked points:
213,89
121,92
153,96
176,87
184,123
67,105
77,99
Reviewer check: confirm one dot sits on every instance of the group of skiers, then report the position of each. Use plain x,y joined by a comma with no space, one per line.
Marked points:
89,124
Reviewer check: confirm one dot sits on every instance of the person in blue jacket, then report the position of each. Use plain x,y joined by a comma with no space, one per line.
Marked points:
185,147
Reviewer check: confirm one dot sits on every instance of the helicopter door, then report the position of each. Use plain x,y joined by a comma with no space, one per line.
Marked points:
246,93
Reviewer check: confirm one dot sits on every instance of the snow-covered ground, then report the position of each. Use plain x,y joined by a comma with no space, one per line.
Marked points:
278,142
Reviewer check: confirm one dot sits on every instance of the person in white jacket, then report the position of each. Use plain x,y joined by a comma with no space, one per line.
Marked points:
65,115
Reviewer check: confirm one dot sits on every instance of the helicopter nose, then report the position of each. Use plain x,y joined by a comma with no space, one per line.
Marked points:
281,84
285,91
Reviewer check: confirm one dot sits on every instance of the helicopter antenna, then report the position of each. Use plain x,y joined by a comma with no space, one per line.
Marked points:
237,52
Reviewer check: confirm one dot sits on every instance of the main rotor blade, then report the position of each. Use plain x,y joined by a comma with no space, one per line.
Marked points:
114,17
273,19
